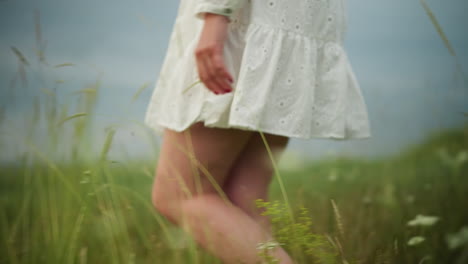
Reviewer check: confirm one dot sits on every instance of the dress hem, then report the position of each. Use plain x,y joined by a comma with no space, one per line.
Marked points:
160,126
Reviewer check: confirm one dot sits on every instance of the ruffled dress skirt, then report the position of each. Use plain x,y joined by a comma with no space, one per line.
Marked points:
292,76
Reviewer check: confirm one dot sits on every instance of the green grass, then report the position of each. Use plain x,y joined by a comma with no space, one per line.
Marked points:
100,212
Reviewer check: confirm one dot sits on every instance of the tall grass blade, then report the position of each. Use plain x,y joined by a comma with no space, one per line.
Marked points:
339,221
107,144
64,65
444,38
190,86
75,235
19,55
278,176
21,68
140,90
40,49
71,117
86,91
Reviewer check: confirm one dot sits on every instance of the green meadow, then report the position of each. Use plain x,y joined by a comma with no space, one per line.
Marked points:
411,208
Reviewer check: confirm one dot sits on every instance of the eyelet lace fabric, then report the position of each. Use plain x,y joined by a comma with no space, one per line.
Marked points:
292,76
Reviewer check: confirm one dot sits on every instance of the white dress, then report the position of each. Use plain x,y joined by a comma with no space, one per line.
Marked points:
291,74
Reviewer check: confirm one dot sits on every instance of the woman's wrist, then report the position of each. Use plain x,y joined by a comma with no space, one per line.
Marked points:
215,16
215,27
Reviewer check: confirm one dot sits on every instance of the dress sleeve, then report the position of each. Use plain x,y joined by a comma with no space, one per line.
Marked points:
220,7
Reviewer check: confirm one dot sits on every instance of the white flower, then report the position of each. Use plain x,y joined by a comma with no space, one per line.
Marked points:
459,239
268,245
423,220
415,240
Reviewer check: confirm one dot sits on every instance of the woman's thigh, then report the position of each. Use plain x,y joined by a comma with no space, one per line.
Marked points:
253,171
195,161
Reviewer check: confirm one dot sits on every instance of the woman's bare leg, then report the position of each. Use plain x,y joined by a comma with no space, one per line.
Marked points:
195,203
252,173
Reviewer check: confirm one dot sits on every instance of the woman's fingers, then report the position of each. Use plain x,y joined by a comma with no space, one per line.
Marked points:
207,78
204,70
221,73
213,75
212,70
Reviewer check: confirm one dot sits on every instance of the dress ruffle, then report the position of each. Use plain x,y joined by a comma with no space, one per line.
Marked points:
285,83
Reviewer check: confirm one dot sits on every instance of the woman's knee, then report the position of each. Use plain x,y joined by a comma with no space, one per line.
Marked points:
162,203
170,192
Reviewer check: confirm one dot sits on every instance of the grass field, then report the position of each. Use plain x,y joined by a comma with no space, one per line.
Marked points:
101,212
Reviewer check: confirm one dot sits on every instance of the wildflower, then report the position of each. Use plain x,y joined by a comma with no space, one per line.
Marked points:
423,220
459,239
268,245
415,240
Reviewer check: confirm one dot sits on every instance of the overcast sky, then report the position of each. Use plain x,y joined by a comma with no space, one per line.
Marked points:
407,75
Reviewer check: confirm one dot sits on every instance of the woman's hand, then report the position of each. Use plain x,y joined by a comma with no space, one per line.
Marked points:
209,54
